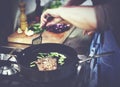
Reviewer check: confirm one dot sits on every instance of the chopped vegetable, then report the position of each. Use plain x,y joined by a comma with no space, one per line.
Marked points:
36,28
28,32
19,30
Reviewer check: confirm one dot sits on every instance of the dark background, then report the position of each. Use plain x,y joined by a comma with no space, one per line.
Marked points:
7,17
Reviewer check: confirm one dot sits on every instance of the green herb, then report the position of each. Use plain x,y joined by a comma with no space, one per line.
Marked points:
36,28
60,56
32,65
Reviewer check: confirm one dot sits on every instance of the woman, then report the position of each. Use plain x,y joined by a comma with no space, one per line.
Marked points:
103,19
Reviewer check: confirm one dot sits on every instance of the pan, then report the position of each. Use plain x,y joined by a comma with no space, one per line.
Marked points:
63,71
69,67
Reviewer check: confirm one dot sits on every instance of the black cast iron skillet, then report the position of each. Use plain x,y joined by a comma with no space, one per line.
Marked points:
63,71
69,68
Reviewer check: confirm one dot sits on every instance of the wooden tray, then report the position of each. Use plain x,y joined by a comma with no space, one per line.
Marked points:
48,37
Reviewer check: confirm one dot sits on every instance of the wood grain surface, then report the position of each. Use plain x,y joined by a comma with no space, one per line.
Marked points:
48,37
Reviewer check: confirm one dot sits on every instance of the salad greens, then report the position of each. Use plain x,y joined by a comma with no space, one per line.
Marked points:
36,28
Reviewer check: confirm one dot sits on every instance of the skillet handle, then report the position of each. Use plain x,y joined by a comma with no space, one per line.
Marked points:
96,56
104,54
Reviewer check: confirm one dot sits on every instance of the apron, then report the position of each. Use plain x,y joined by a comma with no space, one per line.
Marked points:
105,71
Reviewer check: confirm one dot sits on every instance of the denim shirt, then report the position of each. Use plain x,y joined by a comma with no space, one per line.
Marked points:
105,71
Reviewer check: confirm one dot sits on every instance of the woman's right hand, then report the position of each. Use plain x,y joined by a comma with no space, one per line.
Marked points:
52,12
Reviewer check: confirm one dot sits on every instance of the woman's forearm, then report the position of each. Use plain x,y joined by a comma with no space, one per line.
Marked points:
82,17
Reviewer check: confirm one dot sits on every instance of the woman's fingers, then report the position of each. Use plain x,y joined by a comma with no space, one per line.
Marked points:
91,32
88,32
54,21
42,21
53,13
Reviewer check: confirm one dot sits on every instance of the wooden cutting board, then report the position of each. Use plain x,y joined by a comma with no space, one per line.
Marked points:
48,37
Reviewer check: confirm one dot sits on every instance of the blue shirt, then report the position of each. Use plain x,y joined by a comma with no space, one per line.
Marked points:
105,71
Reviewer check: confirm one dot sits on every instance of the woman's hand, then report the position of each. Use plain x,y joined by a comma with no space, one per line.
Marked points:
89,33
83,17
52,12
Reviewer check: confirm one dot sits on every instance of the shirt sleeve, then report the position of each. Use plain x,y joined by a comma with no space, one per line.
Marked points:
108,15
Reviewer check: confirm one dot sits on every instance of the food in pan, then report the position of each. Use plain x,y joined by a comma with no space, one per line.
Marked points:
44,64
48,61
